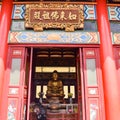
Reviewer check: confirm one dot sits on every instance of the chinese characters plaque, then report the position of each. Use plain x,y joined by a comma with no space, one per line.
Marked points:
68,16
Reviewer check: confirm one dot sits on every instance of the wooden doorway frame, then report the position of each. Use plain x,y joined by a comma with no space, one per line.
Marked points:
81,71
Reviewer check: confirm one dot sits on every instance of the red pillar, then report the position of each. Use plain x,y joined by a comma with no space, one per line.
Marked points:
5,22
0,8
110,82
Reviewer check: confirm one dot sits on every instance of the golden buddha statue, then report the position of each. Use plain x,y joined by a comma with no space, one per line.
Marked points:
55,88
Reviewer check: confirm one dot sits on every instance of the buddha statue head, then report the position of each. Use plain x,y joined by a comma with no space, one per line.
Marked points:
55,75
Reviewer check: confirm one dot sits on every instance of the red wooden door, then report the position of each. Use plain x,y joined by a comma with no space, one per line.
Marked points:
117,59
92,80
17,86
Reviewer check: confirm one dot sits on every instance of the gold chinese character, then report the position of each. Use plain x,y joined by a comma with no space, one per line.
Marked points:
55,15
62,16
72,16
46,15
37,15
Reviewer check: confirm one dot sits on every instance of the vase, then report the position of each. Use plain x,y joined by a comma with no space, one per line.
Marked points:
70,100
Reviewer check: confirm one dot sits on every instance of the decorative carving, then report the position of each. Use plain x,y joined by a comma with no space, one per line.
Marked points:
53,15
12,109
56,37
13,91
93,111
90,53
93,91
17,52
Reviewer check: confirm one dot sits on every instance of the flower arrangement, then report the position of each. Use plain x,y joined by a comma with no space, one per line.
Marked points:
70,95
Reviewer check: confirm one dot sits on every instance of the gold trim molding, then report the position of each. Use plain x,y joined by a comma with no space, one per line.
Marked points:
53,15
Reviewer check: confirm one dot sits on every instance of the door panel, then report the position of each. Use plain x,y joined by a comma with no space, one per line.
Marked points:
93,84
117,59
18,83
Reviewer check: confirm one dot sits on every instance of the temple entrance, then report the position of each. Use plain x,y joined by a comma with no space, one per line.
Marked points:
64,61
31,68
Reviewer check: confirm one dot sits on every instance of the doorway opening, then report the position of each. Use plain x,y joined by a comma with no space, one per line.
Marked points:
64,60
79,69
